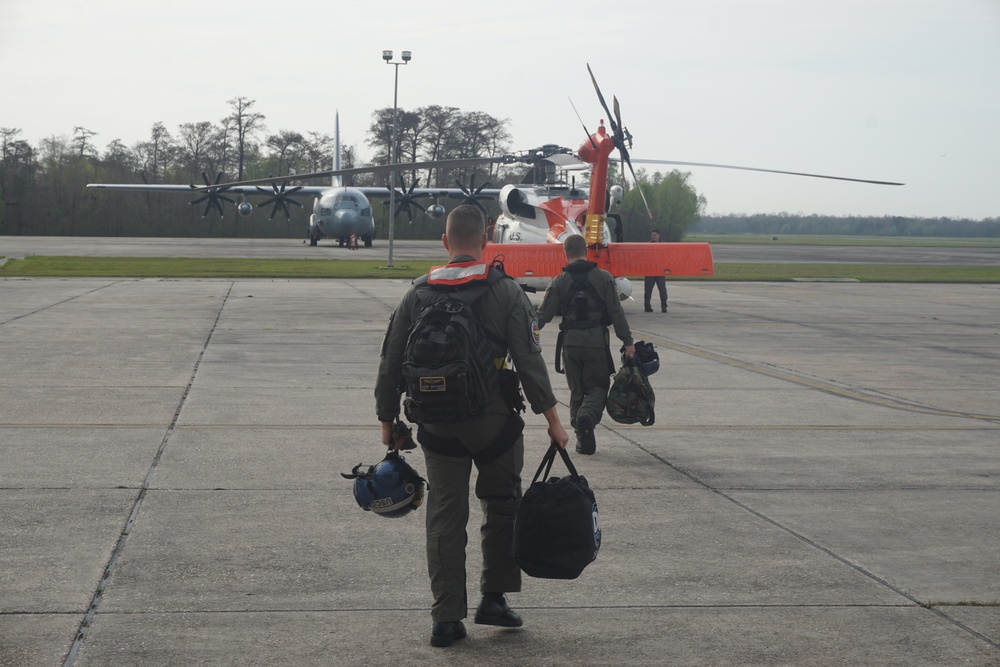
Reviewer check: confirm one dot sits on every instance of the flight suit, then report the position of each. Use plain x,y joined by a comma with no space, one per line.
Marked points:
585,353
510,324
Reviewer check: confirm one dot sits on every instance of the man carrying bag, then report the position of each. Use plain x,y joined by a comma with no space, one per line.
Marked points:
556,532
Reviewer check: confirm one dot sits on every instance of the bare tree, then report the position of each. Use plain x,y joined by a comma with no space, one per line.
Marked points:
245,122
195,144
81,137
289,146
318,149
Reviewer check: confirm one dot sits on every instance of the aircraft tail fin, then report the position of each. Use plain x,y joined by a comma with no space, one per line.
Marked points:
337,180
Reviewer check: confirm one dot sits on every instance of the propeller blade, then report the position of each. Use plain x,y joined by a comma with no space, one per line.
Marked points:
638,186
618,114
408,200
769,171
280,197
600,97
585,131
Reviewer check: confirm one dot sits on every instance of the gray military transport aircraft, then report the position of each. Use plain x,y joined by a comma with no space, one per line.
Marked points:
339,211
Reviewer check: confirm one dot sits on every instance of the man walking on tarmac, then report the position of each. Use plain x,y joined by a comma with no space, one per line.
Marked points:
494,442
588,299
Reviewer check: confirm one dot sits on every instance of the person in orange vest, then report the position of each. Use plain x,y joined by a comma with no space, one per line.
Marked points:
451,449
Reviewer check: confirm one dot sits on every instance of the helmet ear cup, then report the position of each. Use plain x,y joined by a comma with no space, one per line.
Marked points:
390,488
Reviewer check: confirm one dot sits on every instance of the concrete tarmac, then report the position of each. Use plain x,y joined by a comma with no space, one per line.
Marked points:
821,485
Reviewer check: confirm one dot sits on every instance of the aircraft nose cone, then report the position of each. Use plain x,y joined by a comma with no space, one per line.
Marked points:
346,217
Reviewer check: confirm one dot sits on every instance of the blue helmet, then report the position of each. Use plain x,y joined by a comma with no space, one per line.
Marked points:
646,359
390,488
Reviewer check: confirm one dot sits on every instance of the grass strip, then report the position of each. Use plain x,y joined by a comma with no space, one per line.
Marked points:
847,240
166,267
201,267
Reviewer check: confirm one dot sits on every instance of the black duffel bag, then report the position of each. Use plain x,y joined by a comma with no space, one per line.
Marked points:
556,531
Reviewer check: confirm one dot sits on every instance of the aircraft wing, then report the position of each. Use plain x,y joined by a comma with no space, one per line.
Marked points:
454,193
546,260
303,191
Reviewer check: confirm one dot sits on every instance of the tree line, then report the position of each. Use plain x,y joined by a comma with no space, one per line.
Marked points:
43,187
787,223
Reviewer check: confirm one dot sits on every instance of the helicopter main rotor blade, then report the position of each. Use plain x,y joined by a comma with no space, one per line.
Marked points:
769,171
600,97
372,169
638,186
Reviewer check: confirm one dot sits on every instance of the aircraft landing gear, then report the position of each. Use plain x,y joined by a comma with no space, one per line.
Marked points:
368,241
313,240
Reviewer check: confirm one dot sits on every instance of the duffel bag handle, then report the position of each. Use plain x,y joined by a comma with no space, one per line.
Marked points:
549,459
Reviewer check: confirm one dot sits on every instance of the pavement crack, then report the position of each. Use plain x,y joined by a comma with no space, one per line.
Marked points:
133,516
819,384
59,303
812,543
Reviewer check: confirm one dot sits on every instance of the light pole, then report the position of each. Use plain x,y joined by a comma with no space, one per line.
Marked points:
393,152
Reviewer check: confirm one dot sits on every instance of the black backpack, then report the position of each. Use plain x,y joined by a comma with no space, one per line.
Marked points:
556,530
631,398
448,367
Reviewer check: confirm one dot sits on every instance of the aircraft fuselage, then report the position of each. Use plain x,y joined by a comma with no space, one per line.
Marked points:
340,212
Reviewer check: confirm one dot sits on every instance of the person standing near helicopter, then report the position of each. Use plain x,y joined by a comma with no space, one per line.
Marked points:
659,281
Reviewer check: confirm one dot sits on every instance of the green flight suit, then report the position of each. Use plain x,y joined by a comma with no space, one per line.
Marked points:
509,321
585,352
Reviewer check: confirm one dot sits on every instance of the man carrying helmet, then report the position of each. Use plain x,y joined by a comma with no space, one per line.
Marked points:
450,449
588,299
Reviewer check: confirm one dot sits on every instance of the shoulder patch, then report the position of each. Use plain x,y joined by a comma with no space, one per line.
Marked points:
536,334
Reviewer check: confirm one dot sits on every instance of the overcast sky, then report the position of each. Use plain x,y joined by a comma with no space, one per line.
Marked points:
899,90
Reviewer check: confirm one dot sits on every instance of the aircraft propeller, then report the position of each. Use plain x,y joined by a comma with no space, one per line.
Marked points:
281,198
621,136
471,195
407,200
213,195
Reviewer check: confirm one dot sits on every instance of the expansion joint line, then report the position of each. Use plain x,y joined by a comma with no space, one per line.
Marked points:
812,543
59,303
825,386
102,585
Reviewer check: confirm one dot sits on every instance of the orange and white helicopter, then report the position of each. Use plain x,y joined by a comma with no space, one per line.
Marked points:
536,219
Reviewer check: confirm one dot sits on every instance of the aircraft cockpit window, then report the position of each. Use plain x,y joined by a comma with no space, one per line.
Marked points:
345,199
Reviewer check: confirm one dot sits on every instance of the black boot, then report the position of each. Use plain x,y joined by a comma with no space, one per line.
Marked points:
493,610
446,632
